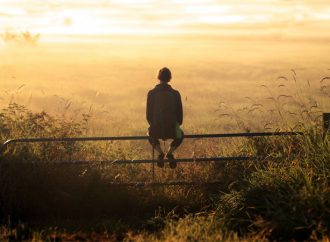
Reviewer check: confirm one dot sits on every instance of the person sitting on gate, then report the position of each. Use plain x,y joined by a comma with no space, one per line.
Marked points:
164,115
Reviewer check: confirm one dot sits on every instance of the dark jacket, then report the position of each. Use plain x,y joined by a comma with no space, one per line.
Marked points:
163,123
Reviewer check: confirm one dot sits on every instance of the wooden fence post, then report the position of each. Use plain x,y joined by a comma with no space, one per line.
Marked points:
326,122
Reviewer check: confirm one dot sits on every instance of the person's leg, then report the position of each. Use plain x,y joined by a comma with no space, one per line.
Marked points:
154,141
175,144
156,145
158,148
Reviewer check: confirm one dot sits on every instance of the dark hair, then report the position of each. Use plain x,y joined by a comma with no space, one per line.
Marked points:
164,75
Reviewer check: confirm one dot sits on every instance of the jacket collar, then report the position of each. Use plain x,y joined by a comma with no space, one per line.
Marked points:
163,85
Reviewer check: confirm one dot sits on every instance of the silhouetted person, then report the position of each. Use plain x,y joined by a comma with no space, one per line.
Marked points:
164,115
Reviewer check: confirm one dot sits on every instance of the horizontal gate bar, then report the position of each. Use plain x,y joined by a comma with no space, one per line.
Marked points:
182,160
201,159
191,136
169,183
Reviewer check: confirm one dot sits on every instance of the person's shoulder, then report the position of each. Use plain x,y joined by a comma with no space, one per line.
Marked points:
175,91
151,91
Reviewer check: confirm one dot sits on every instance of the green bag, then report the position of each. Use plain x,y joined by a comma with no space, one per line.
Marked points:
178,131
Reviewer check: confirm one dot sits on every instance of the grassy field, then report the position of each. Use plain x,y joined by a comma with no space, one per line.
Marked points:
283,196
73,91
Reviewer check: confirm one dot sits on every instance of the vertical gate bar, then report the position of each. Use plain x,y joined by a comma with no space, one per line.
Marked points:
2,150
153,163
326,122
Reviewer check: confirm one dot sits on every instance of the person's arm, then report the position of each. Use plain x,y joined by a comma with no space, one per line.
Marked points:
179,109
149,112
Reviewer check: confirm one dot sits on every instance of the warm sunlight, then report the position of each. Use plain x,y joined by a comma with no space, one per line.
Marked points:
165,120
155,17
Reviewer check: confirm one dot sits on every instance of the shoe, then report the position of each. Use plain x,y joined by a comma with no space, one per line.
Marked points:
160,162
173,164
170,157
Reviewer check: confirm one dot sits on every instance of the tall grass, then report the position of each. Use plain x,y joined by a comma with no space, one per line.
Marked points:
287,195
283,196
36,186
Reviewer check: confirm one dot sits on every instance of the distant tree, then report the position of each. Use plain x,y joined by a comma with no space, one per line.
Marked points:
23,37
29,38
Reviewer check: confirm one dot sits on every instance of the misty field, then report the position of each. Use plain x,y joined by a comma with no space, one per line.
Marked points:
110,80
70,90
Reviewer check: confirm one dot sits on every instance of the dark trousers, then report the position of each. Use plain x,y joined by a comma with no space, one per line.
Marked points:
175,143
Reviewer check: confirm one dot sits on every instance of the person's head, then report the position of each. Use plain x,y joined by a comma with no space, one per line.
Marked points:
164,75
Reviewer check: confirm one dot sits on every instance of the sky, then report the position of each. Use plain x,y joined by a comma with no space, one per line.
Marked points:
308,18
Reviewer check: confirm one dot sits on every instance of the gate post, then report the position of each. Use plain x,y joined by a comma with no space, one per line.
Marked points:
2,148
326,122
153,163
